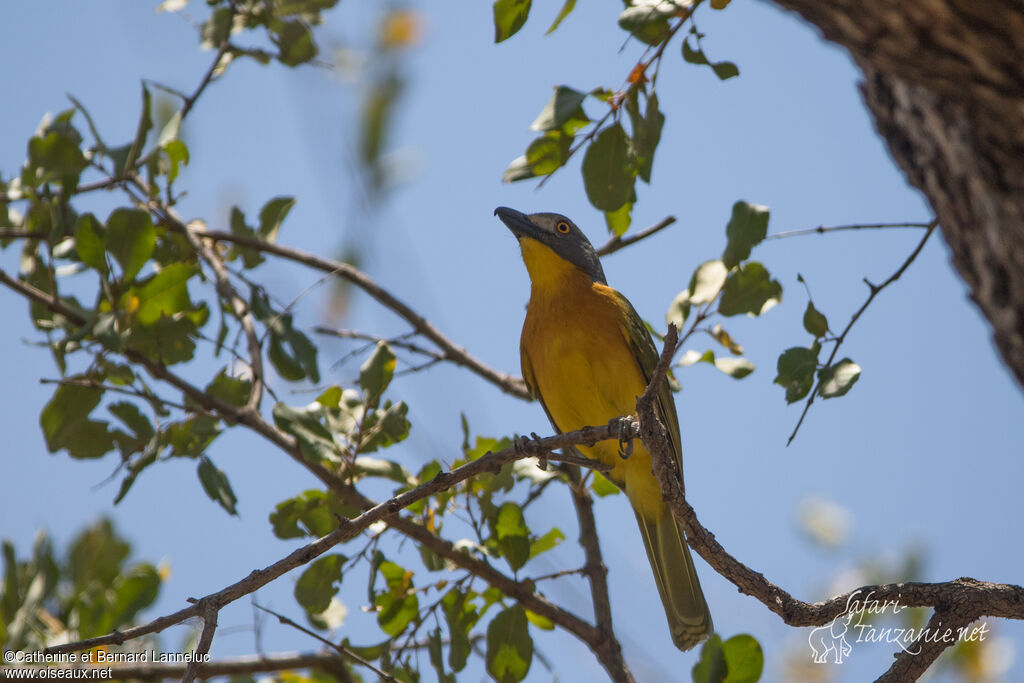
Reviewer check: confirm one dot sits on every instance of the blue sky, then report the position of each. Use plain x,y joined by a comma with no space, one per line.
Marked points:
923,452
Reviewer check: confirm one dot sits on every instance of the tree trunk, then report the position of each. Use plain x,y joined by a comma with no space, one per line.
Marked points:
944,80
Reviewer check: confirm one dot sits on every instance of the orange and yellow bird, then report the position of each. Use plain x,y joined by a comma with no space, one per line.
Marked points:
587,356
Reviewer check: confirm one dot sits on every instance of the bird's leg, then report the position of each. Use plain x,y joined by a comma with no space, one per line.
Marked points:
625,439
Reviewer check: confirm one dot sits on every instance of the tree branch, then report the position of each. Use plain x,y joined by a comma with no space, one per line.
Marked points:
451,352
874,291
822,229
387,511
609,651
619,242
977,598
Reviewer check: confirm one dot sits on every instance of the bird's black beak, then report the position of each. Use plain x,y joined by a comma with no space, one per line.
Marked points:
518,222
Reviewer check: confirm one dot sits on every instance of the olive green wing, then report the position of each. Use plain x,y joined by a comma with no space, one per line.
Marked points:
639,339
531,384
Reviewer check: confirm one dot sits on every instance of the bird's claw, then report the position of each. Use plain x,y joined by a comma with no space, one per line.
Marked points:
526,445
625,442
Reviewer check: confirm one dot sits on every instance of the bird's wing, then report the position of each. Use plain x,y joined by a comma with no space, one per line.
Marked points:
639,339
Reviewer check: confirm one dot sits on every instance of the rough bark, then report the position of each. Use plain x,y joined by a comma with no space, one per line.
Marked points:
944,80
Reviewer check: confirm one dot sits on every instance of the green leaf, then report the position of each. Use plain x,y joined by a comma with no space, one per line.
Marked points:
55,151
815,321
66,424
545,155
133,418
141,133
796,367
711,667
679,310
231,390
546,542
189,438
366,466
726,340
609,169
168,340
512,535
563,112
436,652
518,169
399,605
461,616
376,373
385,427
567,7
509,17
646,132
539,621
724,70
298,363
602,487
313,513
131,238
747,226
737,368
316,586
618,221
216,485
294,42
133,591
315,441
749,290
509,646
648,20
91,242
744,659
272,215
177,156
707,281
216,29
838,379
166,293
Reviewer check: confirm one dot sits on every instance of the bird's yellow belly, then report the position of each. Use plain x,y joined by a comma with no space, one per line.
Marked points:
587,377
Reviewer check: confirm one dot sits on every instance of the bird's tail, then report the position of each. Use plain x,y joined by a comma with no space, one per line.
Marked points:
689,619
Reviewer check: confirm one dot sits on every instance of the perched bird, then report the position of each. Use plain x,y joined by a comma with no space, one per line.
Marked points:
587,356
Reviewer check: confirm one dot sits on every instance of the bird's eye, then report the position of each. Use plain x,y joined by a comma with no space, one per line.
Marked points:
562,227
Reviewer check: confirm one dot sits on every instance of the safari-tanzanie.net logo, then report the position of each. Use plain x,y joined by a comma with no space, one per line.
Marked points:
860,621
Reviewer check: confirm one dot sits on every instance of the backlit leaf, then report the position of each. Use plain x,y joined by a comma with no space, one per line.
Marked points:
509,646
509,17
216,485
838,379
747,226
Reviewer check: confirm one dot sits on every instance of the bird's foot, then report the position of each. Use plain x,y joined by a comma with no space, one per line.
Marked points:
527,445
625,440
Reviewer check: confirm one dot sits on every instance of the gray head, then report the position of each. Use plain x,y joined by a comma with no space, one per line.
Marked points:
557,232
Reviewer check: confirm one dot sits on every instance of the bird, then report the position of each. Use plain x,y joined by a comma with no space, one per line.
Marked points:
587,356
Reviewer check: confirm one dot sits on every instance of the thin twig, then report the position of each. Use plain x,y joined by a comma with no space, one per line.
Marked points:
619,242
334,646
821,229
456,354
874,291
88,383
387,511
227,292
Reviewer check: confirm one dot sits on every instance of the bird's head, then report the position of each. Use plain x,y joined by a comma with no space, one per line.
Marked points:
542,233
